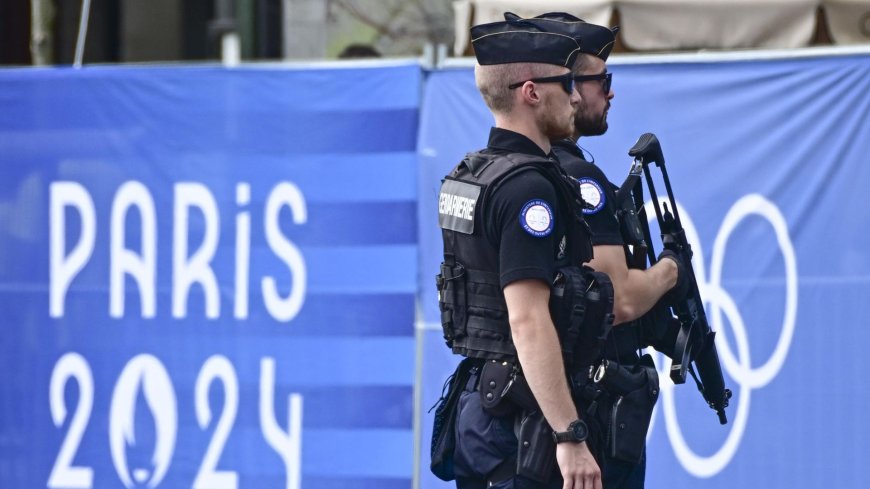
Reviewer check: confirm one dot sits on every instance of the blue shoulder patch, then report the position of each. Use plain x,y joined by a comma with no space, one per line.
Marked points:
593,195
536,217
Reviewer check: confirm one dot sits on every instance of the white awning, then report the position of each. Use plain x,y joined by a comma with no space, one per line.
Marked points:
484,11
848,20
669,25
716,24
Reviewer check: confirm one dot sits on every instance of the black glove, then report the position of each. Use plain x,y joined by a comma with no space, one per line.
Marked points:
659,329
681,289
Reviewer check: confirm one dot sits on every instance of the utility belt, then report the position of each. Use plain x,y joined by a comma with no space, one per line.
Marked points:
617,403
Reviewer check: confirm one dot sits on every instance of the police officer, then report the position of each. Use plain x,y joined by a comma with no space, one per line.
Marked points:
636,291
510,217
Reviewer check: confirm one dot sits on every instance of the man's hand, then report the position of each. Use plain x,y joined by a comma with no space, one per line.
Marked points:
635,291
578,467
681,289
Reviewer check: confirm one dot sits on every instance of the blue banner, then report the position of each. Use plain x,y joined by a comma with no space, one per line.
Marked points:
768,161
208,277
211,277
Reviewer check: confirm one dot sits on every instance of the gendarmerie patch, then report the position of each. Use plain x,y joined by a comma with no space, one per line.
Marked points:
593,195
456,203
536,217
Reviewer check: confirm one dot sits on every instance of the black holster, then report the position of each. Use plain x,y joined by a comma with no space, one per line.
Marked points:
496,386
624,398
536,450
503,392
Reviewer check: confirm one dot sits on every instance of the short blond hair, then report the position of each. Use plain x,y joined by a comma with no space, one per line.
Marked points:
493,81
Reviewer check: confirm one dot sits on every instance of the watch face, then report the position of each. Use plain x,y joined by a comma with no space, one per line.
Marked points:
577,432
580,430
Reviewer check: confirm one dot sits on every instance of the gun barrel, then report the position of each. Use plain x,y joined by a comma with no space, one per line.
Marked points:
710,373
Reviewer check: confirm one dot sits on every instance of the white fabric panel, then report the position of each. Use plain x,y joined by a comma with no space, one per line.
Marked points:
461,23
484,11
592,11
848,20
716,24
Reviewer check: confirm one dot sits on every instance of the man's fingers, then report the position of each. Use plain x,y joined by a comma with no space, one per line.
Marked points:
588,480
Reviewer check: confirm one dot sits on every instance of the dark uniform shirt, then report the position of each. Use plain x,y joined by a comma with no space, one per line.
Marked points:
521,218
598,193
527,235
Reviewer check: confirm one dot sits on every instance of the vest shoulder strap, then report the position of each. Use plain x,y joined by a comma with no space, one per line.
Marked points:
465,189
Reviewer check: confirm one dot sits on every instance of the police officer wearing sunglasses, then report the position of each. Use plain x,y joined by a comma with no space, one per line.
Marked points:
514,297
636,291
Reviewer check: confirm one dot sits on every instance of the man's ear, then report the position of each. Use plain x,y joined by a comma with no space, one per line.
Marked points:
530,93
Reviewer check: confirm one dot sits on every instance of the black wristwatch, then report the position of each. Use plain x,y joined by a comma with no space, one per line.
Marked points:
577,432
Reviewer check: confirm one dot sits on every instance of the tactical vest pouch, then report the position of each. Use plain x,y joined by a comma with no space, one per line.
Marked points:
634,391
536,450
581,304
452,301
568,306
444,422
599,305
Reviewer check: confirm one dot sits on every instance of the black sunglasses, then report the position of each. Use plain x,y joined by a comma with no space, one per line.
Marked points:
567,81
605,78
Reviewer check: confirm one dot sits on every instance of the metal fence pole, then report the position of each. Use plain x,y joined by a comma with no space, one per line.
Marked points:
83,33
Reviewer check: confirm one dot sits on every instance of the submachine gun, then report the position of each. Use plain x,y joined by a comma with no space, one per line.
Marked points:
688,338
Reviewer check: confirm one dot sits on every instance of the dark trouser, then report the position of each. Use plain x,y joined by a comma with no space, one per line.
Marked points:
483,444
516,482
617,474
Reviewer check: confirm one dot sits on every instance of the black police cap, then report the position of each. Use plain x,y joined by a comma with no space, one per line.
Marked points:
594,39
505,42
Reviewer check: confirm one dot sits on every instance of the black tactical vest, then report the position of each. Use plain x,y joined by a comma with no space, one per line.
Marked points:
473,311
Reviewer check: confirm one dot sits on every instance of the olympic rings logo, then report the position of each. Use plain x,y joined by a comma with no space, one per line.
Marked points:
718,302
